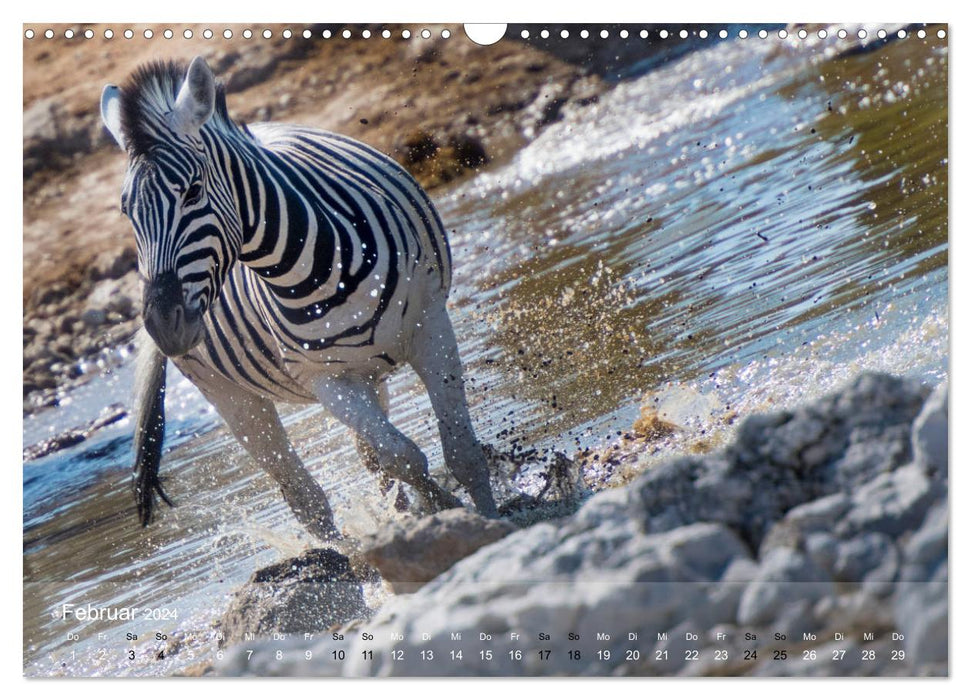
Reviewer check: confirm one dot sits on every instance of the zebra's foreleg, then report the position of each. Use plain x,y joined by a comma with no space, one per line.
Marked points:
354,402
255,423
369,457
436,360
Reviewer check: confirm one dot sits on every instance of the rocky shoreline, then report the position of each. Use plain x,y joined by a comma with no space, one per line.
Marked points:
827,520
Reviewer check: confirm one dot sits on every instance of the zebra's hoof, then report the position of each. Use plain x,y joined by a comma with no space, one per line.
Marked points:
481,493
485,504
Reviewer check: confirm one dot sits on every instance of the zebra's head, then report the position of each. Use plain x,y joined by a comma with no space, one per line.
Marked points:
187,229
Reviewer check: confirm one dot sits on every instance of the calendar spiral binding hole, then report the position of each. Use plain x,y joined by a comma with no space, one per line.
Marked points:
71,33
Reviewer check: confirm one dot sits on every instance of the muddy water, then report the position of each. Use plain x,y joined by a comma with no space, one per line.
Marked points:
741,230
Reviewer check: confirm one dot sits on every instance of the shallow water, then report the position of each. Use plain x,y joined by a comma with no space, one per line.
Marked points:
738,231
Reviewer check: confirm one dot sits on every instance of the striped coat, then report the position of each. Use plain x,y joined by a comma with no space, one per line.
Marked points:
283,263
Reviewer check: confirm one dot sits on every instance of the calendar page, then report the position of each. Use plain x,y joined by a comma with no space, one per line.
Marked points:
574,350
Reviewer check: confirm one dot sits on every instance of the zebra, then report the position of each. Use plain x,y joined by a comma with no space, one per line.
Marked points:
281,263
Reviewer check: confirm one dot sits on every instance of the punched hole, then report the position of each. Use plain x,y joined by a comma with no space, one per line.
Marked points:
487,34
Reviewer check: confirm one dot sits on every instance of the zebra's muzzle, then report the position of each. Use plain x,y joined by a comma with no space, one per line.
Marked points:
175,327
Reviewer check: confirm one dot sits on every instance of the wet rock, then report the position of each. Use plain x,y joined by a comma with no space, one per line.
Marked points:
412,552
786,578
891,503
920,606
94,318
871,555
927,549
309,593
782,460
930,433
110,414
800,524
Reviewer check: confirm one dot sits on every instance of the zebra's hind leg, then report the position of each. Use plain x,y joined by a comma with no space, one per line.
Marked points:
369,457
256,424
436,360
353,400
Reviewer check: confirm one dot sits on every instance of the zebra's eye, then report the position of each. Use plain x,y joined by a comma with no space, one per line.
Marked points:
193,194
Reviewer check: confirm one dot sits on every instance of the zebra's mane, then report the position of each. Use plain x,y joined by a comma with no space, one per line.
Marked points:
150,93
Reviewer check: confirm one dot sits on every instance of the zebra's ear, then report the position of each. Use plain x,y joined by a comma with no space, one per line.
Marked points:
196,99
111,113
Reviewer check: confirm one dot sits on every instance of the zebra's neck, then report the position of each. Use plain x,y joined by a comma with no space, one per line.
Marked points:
274,217
301,233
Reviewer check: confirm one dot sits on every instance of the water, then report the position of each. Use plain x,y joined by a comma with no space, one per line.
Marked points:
741,230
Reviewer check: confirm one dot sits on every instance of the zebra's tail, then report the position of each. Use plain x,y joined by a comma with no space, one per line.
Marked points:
149,426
